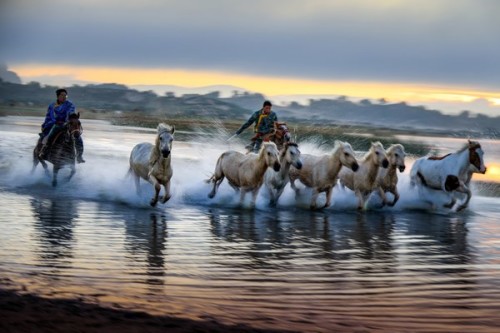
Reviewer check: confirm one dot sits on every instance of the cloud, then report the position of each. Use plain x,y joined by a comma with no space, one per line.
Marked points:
441,42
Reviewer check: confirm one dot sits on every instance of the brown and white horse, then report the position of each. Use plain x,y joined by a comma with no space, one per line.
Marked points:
451,173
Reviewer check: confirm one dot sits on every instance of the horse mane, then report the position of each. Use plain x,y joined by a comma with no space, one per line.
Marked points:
263,148
162,127
338,144
378,144
287,144
394,147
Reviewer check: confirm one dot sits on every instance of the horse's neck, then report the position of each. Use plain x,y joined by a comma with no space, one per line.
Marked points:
458,162
285,168
334,163
260,166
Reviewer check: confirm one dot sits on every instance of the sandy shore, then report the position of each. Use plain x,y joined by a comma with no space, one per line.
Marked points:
29,313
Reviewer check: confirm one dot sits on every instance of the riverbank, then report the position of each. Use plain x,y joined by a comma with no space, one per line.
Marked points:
21,313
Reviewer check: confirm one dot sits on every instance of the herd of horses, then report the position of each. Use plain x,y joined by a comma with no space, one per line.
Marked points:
279,162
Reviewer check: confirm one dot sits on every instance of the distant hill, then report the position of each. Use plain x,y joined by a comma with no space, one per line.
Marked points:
340,111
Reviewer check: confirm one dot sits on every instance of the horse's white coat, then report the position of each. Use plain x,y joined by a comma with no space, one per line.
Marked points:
276,181
153,162
362,182
387,179
320,172
245,172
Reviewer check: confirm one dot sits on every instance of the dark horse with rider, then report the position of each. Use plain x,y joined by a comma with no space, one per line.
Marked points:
60,140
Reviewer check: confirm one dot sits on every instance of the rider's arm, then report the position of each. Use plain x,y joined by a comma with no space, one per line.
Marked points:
49,119
249,122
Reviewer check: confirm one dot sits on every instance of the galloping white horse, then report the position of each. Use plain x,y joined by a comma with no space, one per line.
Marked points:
450,173
320,172
245,172
276,181
152,162
387,179
363,182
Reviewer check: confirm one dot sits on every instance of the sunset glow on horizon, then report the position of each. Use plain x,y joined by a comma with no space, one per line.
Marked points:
267,85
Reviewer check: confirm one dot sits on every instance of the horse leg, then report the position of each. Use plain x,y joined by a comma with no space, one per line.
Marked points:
166,197
242,196
361,200
396,198
381,194
315,194
216,183
72,173
272,198
54,176
295,188
137,183
451,203
464,189
328,197
254,196
157,187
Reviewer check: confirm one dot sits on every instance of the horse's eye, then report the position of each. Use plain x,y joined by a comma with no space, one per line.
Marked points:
346,154
397,155
377,153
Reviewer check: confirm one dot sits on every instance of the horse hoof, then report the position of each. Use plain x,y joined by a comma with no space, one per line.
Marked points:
153,203
211,195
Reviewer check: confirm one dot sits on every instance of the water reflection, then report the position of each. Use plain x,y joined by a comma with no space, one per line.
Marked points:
441,241
145,241
54,223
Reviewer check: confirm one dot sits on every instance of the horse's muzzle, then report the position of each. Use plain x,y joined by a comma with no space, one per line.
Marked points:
385,163
276,167
165,153
298,165
355,167
402,168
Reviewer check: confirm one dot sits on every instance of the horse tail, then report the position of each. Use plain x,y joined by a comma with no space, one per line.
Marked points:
211,179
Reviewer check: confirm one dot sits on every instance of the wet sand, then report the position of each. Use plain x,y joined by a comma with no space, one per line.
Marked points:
30,313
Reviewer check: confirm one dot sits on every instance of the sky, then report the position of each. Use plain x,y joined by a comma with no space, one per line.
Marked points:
442,54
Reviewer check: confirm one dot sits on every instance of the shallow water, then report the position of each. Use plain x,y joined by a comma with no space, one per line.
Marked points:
400,269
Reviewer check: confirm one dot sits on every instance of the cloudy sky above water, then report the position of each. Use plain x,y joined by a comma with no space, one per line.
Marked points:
438,53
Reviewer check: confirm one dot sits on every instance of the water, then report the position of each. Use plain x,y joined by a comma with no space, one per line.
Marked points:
400,269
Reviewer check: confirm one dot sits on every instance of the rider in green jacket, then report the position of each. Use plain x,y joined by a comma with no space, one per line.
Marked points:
264,120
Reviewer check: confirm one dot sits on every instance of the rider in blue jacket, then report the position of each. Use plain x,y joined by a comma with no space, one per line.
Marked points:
57,115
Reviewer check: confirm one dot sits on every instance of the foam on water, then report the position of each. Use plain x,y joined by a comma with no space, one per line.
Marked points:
104,176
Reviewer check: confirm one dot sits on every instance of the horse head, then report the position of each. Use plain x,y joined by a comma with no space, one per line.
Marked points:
396,156
280,135
291,154
378,154
346,155
270,153
74,126
164,139
476,157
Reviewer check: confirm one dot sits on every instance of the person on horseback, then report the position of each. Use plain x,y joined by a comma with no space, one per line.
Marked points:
58,113
264,120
